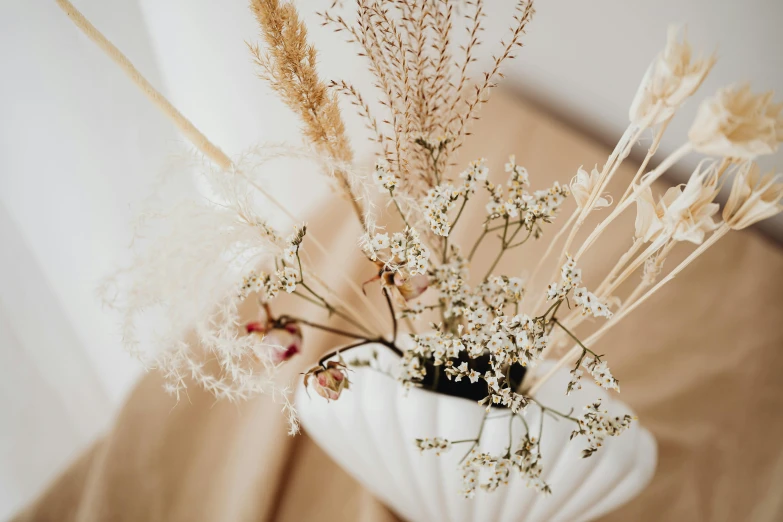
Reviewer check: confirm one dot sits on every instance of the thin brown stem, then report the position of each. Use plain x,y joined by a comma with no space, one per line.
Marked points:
287,318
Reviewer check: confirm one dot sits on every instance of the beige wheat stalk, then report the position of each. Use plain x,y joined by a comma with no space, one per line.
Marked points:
288,63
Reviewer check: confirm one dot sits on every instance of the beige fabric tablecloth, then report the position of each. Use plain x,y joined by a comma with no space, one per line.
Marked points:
701,363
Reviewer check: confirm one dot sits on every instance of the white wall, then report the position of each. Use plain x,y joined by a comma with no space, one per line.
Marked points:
78,146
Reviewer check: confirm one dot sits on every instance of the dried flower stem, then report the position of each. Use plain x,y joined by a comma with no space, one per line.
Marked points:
611,276
362,108
648,279
583,213
507,243
650,153
351,283
649,178
632,267
337,331
183,124
575,318
632,138
552,244
574,352
718,234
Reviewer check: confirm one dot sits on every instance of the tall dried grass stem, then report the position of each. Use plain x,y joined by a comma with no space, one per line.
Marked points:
183,124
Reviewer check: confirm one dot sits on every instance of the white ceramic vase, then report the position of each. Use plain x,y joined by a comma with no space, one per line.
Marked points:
370,432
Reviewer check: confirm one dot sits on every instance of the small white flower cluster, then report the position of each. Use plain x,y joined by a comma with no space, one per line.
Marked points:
598,369
527,459
517,339
405,251
545,203
477,171
496,471
518,178
497,291
460,300
384,179
595,425
259,282
451,281
416,255
437,204
601,374
292,244
570,277
497,206
576,378
507,340
287,276
381,241
590,303
438,444
434,346
541,205
463,370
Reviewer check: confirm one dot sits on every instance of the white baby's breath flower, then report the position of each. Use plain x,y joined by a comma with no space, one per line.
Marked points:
289,255
416,255
397,245
288,277
595,425
601,374
438,444
437,204
590,304
753,197
671,78
384,179
736,123
518,178
574,382
583,185
380,241
478,169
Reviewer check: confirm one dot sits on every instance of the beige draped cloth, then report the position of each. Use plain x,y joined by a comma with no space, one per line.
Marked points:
701,363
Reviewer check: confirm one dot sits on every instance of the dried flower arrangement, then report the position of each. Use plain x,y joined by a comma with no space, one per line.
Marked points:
484,333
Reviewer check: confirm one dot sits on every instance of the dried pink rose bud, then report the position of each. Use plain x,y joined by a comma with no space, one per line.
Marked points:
286,339
255,327
411,287
329,382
